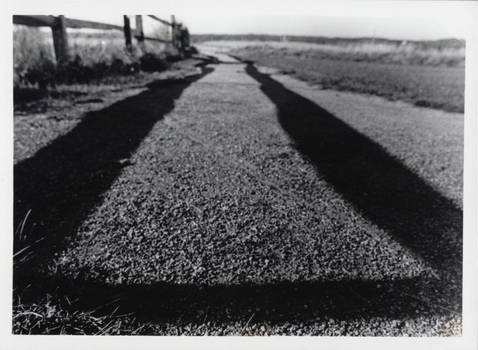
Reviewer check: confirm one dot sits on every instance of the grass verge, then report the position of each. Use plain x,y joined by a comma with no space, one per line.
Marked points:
439,85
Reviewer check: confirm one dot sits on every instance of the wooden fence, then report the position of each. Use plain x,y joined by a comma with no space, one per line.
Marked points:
58,24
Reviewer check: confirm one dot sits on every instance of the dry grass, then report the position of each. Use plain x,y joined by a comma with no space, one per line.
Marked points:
397,52
56,315
30,51
405,53
94,54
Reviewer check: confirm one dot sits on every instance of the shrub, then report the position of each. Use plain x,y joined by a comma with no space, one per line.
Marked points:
151,63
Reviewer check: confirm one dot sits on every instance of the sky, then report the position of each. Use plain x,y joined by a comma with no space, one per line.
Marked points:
415,20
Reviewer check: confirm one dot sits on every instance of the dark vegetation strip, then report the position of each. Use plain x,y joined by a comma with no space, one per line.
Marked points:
47,74
426,86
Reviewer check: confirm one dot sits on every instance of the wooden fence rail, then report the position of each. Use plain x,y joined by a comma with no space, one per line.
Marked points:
58,24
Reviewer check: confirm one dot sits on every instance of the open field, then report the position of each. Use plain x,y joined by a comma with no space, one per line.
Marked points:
421,44
432,53
427,77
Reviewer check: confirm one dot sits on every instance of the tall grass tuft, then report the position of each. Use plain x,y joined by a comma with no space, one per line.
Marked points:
31,52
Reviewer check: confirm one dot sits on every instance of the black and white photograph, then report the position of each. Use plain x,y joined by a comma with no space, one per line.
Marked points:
240,170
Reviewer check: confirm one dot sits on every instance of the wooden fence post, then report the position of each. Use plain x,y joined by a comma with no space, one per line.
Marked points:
60,40
139,31
179,39
127,34
173,31
187,41
184,38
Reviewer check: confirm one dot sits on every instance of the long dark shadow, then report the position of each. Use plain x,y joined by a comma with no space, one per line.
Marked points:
273,303
375,182
58,187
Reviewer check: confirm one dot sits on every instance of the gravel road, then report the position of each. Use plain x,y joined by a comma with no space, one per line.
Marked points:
247,202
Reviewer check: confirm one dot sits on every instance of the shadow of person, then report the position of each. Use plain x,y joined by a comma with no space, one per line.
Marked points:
57,187
376,183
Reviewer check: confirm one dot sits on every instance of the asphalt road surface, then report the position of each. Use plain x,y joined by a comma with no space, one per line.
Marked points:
243,201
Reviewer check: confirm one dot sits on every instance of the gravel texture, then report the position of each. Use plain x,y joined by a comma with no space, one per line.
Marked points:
239,202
